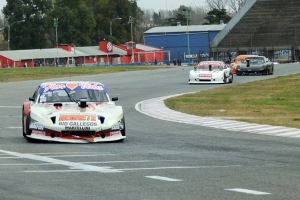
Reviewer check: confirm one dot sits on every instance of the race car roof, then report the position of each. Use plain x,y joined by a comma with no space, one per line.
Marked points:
269,24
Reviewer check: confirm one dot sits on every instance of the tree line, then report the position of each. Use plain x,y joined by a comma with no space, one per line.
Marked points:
34,24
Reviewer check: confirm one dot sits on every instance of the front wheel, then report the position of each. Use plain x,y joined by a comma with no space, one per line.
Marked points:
272,71
28,130
123,131
23,124
266,72
225,79
230,78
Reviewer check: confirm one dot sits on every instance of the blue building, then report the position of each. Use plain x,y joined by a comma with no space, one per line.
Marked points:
183,42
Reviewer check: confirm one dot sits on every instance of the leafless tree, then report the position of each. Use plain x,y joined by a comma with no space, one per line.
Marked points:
217,4
3,24
198,14
236,5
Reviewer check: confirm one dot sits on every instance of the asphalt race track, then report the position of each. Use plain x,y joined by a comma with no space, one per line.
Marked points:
159,160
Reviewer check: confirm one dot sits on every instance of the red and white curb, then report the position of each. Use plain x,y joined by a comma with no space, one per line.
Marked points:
157,109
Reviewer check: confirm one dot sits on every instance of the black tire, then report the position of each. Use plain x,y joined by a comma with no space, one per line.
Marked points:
266,72
23,125
272,71
225,79
28,130
231,79
123,131
238,74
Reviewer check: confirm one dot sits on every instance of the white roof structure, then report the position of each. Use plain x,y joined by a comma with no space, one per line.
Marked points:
147,48
94,51
17,55
191,28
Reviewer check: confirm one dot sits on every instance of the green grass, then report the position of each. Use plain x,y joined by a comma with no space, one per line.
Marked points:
274,101
38,73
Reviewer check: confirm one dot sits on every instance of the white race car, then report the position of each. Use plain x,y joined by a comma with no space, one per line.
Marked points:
75,111
211,72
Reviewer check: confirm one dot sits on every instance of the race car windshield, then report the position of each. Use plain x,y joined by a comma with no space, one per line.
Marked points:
206,67
254,60
72,95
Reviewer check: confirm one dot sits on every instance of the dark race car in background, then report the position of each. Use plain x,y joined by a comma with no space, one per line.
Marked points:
257,64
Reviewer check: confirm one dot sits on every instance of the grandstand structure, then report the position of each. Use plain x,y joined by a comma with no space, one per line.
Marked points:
264,26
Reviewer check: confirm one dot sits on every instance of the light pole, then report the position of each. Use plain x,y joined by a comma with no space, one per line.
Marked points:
56,25
132,53
110,25
188,14
8,37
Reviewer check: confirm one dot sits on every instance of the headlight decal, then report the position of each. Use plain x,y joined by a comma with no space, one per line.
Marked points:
37,126
53,119
117,126
101,118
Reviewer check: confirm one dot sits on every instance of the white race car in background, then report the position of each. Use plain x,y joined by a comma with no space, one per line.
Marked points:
211,72
75,112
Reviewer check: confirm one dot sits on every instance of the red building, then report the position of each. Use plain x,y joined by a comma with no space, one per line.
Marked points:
65,55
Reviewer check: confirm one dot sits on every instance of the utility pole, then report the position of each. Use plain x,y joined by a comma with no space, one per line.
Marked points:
56,25
187,11
132,53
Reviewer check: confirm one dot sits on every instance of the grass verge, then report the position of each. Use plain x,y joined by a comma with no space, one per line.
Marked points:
38,73
274,101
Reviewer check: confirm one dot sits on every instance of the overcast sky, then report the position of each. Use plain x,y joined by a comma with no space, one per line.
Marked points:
2,3
156,5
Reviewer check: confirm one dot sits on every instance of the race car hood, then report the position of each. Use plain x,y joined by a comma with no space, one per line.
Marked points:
52,114
205,72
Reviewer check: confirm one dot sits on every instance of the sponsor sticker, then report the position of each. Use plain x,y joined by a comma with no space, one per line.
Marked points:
37,126
205,75
115,133
76,128
38,132
77,117
211,63
77,123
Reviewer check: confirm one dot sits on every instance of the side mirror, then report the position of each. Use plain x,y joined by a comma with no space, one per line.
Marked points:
115,99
